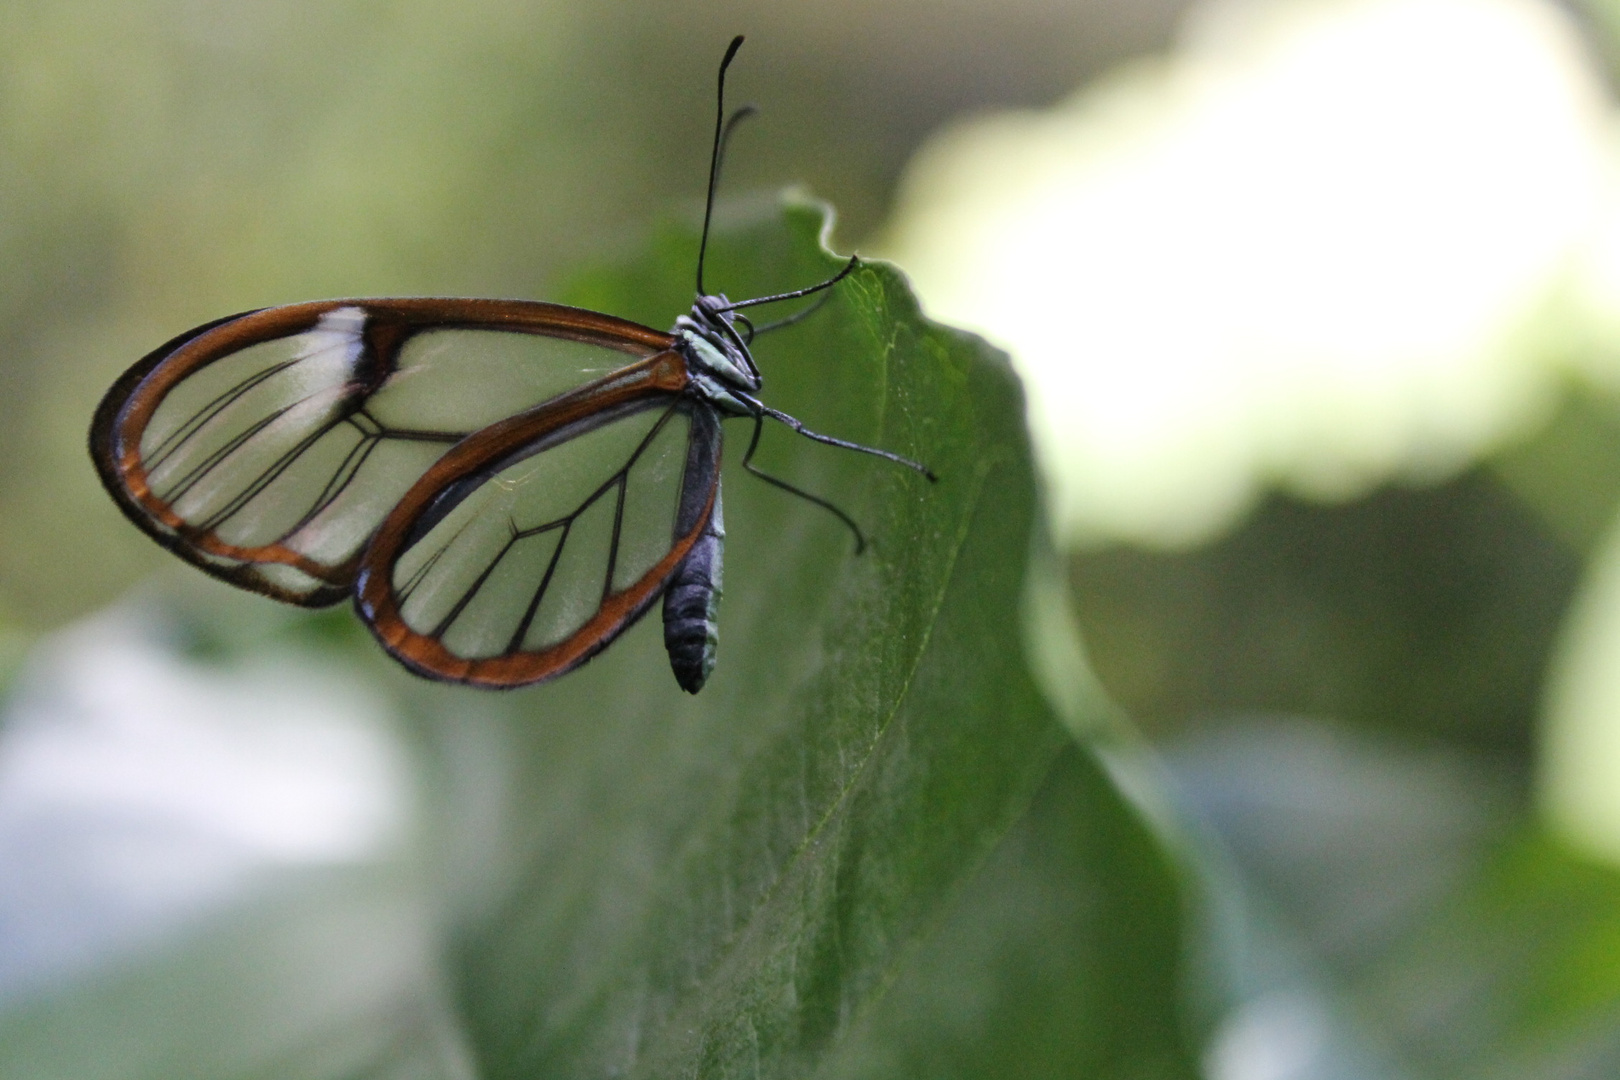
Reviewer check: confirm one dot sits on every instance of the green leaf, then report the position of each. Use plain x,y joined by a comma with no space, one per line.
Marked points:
1060,958
719,885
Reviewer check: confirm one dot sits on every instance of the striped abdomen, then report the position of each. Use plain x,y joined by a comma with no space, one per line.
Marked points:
692,598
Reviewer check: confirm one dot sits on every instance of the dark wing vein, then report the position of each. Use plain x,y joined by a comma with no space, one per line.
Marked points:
189,480
619,480
342,477
623,482
178,437
405,591
524,623
356,459
405,434
472,591
267,477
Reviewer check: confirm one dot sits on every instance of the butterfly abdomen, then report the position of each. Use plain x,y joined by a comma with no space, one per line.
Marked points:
692,605
692,597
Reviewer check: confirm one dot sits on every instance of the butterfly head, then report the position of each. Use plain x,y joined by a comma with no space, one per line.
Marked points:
716,354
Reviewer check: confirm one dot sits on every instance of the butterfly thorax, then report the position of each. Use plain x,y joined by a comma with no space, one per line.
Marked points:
718,362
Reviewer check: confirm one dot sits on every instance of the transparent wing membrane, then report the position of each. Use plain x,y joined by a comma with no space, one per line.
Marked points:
462,380
271,457
525,555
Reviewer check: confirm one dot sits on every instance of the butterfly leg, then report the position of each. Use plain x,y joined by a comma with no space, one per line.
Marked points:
748,463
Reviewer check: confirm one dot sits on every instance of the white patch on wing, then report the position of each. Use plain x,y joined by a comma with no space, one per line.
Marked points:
336,337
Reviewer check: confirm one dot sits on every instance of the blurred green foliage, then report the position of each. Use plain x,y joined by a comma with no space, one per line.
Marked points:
1515,975
1425,612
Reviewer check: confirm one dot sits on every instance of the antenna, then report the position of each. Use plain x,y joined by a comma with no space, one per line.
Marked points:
854,261
720,127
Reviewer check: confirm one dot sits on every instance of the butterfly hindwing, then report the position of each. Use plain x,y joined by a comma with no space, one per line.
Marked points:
536,542
267,447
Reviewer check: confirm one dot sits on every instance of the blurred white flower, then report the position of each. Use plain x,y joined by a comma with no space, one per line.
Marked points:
1310,247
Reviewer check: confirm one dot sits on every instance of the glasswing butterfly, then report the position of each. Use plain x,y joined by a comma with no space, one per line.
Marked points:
498,515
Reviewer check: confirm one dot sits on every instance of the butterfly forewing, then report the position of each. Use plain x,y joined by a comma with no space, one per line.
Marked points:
268,448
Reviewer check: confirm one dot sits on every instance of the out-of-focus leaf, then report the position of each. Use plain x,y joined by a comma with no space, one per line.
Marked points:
1569,472
1350,836
1421,922
1517,978
1427,612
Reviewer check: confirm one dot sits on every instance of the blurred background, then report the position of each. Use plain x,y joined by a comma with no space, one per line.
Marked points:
1318,307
